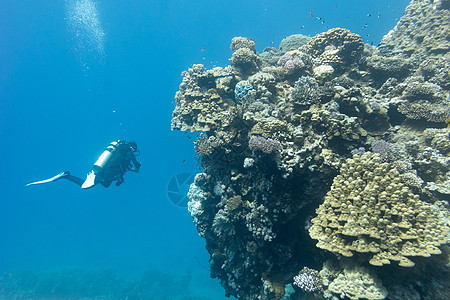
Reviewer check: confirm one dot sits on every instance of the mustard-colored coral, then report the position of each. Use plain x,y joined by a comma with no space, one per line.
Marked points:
267,128
370,211
349,45
358,283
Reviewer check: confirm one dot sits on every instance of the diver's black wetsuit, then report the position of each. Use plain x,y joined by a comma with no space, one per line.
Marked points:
122,160
118,158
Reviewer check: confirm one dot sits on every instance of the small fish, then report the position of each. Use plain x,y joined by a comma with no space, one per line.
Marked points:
203,49
311,13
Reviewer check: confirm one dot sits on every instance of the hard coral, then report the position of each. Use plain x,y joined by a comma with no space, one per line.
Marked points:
369,210
416,32
349,45
245,61
294,62
382,68
437,71
200,107
242,42
308,280
293,42
358,283
306,91
437,113
259,143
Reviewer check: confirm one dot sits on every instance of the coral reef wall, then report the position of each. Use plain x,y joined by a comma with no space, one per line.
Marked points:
326,163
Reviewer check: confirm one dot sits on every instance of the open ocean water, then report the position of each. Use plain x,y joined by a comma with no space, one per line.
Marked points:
78,74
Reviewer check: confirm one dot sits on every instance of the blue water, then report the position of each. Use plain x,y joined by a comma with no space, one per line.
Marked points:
78,74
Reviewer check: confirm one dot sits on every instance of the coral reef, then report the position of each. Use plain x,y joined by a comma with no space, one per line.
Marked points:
288,132
355,282
259,143
293,42
245,60
308,280
369,210
419,31
294,62
336,47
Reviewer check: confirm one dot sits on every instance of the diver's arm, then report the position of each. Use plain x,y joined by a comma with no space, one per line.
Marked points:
136,164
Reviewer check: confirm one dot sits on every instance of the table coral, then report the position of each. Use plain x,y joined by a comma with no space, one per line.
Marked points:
368,210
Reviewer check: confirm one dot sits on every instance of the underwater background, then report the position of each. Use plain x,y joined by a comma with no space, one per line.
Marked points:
78,74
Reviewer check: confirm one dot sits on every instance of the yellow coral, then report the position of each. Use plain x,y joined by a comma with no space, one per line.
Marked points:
369,210
358,283
349,45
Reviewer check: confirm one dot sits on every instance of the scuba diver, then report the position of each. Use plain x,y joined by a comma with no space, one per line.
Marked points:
118,158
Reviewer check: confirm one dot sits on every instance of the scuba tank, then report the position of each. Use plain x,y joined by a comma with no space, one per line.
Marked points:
103,160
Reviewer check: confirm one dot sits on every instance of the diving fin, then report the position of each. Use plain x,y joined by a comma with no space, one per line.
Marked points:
90,180
57,177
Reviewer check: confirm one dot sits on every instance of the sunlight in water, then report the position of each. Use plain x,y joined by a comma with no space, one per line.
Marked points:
86,31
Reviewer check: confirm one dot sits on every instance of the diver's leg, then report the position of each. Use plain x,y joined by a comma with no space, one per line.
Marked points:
74,179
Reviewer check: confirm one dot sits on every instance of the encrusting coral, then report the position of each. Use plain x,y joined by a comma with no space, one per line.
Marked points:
369,210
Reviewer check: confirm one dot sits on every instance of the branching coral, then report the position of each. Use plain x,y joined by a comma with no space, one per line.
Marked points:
308,280
306,91
259,143
205,145
294,62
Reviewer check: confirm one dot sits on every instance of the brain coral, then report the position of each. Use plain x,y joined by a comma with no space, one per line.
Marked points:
369,210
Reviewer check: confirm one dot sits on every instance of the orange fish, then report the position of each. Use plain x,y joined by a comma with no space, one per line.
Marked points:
202,50
310,13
